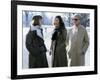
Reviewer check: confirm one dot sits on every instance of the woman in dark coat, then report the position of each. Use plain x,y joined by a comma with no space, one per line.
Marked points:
58,45
35,45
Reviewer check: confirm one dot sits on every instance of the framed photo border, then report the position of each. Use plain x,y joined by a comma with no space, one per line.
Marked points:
14,39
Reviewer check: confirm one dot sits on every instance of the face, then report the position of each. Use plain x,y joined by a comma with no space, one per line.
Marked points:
56,23
76,21
40,22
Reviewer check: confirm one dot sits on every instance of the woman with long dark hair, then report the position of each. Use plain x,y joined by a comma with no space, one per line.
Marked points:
58,45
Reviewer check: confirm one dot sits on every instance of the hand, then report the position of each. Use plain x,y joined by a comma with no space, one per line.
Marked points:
43,49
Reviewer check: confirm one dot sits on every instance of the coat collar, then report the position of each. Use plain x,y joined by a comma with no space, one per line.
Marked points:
75,28
37,29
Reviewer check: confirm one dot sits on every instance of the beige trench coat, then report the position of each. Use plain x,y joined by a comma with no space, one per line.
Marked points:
77,46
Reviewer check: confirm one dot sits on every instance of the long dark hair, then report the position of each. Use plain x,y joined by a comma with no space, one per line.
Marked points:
62,25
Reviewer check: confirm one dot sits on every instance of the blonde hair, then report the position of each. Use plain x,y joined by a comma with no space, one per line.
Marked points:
76,15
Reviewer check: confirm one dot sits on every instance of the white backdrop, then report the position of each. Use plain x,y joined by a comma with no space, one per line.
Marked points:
5,40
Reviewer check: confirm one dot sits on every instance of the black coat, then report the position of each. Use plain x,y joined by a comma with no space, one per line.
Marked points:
37,50
58,48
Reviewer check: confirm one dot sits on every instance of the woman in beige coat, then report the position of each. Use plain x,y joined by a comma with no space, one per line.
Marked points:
78,43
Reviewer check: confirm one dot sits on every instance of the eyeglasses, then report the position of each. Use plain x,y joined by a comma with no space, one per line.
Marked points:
75,19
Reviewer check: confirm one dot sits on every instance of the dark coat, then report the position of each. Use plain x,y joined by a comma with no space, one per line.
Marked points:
58,49
37,50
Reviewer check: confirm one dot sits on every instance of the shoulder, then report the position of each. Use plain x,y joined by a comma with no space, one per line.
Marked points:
31,33
64,30
82,28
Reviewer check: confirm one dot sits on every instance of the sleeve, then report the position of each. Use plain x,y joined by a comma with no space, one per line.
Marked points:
85,42
62,38
67,39
65,35
30,45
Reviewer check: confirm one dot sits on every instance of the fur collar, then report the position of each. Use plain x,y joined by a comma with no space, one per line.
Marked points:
37,29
